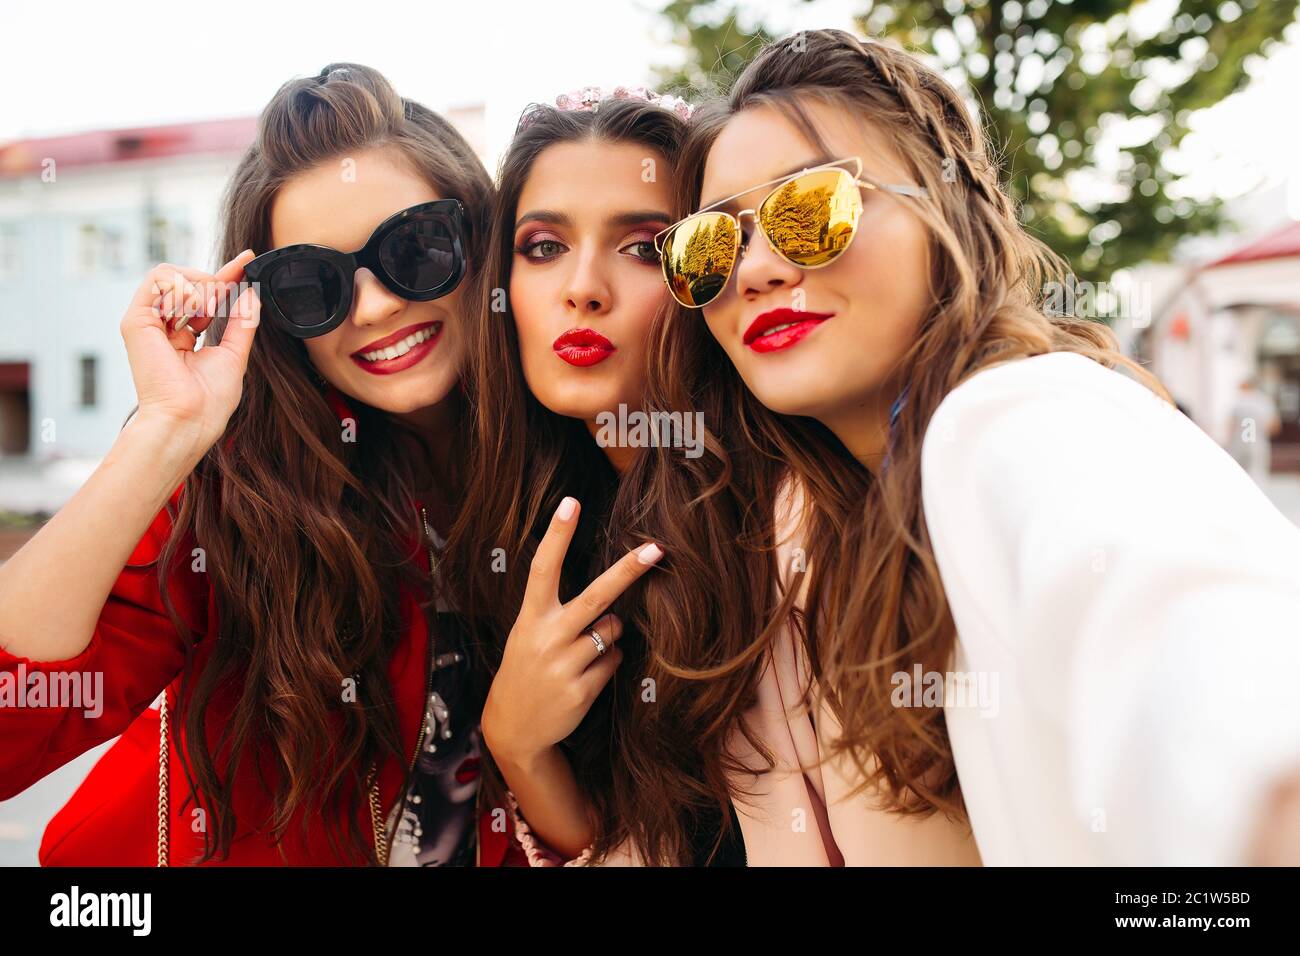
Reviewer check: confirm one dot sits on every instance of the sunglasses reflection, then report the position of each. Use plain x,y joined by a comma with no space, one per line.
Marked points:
809,221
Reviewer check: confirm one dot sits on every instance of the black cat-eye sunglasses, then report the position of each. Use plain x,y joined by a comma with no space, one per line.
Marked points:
418,253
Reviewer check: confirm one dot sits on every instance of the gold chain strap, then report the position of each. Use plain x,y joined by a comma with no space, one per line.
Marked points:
164,816
376,819
164,800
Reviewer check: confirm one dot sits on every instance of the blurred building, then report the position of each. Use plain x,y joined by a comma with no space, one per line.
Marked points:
82,217
1234,317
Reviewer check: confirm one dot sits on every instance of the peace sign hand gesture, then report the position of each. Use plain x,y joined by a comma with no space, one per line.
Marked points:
553,667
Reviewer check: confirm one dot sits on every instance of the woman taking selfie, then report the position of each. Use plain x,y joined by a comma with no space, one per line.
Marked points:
259,542
1036,596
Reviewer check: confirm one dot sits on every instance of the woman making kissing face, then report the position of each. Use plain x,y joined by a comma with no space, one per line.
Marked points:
550,555
584,282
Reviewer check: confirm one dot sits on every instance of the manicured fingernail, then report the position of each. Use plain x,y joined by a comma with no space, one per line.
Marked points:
566,509
650,553
183,321
211,306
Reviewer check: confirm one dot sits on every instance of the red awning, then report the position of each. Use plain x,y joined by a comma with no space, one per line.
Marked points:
98,147
1283,243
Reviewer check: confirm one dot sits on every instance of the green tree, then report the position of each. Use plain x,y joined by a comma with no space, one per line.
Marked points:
1082,93
797,222
718,43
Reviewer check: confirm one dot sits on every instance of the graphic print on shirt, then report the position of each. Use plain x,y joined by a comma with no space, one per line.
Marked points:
436,825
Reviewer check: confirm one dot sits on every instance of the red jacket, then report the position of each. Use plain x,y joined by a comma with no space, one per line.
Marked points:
112,819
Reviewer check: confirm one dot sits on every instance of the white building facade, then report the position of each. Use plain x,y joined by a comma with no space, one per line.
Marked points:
82,218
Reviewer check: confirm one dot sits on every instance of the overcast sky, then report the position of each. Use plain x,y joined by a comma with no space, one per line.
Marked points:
87,65
91,65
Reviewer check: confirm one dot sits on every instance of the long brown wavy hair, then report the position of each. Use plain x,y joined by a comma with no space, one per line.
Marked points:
875,604
308,537
643,762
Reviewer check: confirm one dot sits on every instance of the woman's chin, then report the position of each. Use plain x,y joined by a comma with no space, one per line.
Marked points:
786,398
585,404
406,398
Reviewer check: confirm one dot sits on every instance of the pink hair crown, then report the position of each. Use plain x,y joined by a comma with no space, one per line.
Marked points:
588,99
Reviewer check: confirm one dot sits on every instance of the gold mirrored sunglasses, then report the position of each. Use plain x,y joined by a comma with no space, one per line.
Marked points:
808,218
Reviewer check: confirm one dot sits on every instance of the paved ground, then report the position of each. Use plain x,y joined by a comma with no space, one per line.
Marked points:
11,539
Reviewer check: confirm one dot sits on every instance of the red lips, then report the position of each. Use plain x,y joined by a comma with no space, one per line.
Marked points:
400,363
583,347
760,338
468,771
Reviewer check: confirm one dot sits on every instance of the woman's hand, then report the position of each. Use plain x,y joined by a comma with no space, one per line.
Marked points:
192,394
551,671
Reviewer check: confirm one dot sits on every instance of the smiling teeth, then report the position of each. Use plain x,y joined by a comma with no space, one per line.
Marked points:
399,349
778,328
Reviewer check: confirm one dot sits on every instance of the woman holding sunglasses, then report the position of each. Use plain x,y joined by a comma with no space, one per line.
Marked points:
1023,590
259,544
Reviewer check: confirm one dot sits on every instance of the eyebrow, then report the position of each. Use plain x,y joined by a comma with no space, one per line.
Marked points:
629,218
543,215
726,202
636,216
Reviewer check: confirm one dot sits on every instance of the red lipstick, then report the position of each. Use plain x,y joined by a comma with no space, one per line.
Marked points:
583,347
468,771
426,335
760,335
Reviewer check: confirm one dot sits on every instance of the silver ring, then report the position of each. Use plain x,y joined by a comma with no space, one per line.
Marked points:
592,633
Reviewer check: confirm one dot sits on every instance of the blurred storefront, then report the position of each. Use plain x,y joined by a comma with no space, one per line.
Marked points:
1235,318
